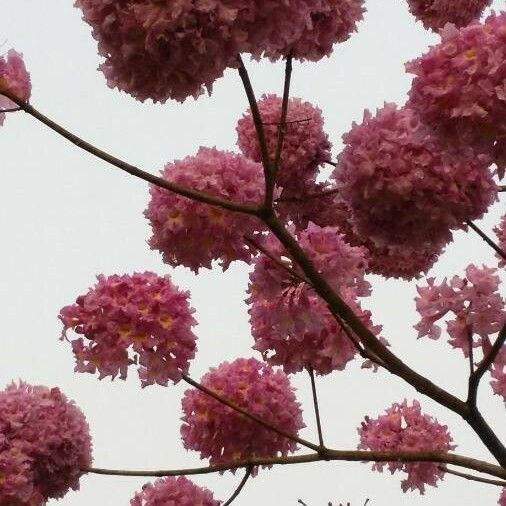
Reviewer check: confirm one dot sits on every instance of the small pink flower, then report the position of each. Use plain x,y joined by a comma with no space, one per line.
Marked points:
44,444
132,319
173,491
14,79
502,499
193,234
500,231
498,374
434,14
406,428
225,436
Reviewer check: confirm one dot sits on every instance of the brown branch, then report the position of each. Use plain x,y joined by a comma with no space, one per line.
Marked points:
502,188
472,477
238,490
300,501
327,455
487,239
131,169
11,109
316,407
330,162
308,196
290,122
251,416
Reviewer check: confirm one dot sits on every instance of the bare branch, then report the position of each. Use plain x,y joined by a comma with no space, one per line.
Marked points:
11,109
487,239
238,490
472,477
316,407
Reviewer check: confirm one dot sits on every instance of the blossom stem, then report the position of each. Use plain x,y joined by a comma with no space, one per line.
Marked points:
316,406
472,477
487,239
131,169
11,109
327,455
251,416
239,488
324,193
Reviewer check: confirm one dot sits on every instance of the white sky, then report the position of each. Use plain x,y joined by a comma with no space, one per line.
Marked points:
66,216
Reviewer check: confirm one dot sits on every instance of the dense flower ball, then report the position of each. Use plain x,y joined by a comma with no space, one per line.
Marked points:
459,85
403,187
292,326
434,14
305,145
193,234
225,436
406,428
500,231
14,79
132,319
474,302
44,444
173,491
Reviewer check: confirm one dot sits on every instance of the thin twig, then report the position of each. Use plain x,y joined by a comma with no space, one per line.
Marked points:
300,501
131,169
502,188
308,196
238,490
472,477
11,109
474,379
251,416
366,502
487,239
316,407
471,351
330,162
328,455
289,122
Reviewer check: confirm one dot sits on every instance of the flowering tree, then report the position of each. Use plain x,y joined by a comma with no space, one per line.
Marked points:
406,179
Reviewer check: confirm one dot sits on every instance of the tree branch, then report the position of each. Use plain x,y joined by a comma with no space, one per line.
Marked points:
238,490
316,407
472,477
487,239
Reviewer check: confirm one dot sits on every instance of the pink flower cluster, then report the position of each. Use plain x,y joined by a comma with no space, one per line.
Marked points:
132,319
502,499
159,50
14,79
500,231
402,187
290,323
406,428
305,144
460,89
193,234
225,436
44,444
498,374
434,14
173,491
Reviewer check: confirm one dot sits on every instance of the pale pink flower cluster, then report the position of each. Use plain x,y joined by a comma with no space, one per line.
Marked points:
292,326
193,234
225,436
138,319
403,187
498,374
502,499
500,231
406,428
159,50
459,86
173,491
44,444
434,14
15,79
474,302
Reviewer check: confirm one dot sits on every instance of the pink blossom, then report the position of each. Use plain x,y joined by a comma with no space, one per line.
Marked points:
459,86
305,145
225,436
173,491
402,187
498,374
500,231
44,444
406,428
292,326
132,319
434,14
477,308
193,234
502,499
14,79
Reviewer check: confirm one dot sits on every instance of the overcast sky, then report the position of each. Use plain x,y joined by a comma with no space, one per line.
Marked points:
67,216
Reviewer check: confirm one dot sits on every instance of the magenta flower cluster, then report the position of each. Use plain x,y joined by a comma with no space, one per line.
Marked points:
500,231
138,319
162,50
193,234
225,436
459,86
434,14
403,187
44,444
290,323
173,491
406,428
502,499
305,144
14,79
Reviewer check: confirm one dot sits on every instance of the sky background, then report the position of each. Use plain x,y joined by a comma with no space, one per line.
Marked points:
66,216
